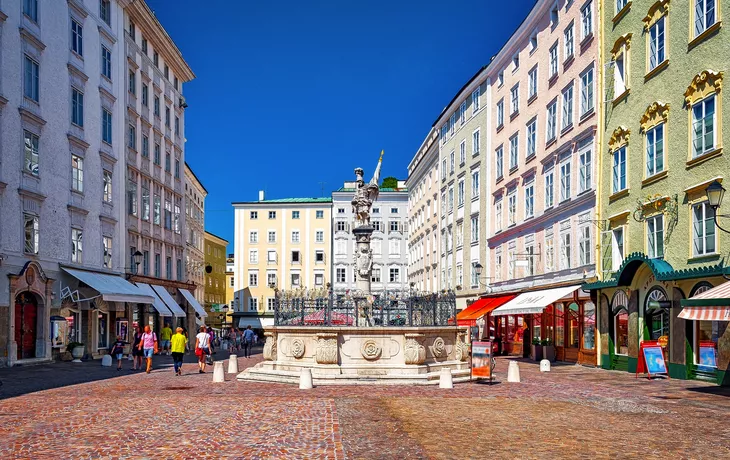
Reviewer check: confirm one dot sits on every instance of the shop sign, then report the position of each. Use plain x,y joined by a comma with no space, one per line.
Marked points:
481,360
663,341
651,360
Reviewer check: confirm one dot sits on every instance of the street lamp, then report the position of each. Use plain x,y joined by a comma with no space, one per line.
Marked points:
715,192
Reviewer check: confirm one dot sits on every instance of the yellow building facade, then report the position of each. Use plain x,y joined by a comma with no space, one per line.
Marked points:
215,280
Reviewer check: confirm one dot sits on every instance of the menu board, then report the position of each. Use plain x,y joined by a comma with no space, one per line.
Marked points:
481,360
651,360
708,356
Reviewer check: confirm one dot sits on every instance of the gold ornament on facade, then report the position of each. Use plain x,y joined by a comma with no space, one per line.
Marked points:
619,138
623,40
703,84
656,11
656,113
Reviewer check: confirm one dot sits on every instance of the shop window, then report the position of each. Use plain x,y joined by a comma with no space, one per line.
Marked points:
573,339
536,327
103,323
656,315
619,305
559,325
707,334
589,326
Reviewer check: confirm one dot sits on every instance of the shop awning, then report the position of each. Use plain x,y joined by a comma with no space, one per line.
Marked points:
255,322
533,302
711,305
112,288
193,302
157,303
169,301
481,307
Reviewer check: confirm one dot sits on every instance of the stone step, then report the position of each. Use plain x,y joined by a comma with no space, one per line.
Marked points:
292,377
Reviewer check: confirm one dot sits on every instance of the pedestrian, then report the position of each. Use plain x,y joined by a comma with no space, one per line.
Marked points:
165,335
202,348
118,351
137,352
248,338
178,343
238,339
149,345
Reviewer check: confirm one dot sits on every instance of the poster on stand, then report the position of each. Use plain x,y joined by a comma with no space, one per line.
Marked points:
481,360
651,360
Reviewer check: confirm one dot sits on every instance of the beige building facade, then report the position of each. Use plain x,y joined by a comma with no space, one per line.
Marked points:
195,194
215,281
423,219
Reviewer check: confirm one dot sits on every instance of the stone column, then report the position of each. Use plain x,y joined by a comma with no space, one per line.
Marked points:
363,258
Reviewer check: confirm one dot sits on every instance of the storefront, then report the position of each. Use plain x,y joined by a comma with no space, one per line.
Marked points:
476,316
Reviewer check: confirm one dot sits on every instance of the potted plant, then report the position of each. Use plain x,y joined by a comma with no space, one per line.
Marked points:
77,350
536,350
548,350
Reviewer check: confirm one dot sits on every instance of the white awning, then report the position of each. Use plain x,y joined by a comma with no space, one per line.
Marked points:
193,303
169,301
533,302
158,303
112,288
255,322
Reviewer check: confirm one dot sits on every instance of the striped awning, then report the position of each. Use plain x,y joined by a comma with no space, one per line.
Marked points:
706,313
710,305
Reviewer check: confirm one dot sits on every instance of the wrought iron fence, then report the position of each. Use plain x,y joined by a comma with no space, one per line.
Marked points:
351,308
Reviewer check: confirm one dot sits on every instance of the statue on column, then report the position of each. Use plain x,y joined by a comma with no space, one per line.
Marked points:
365,194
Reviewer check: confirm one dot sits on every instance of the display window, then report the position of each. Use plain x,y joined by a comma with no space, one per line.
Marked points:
536,327
655,316
589,326
573,326
73,329
559,325
707,336
102,330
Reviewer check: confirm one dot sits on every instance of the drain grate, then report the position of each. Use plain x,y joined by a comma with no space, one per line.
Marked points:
176,388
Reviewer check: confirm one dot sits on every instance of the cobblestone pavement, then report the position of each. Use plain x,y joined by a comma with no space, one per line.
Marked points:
572,412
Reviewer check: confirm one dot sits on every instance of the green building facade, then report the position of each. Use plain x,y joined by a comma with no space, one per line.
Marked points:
663,130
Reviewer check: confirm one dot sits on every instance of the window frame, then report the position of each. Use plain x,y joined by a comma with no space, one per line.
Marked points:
708,219
653,253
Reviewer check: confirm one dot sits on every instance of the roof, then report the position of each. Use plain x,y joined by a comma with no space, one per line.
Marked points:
400,189
288,200
187,166
207,233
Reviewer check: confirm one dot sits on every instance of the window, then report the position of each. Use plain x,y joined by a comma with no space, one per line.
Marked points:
617,248
30,9
176,219
377,225
565,251
132,31
475,100
703,126
158,265
554,60
532,83
341,226
460,193
474,229
584,171
253,304
156,106
167,116
619,170
145,200
655,150
77,173
168,269
319,257
156,59
452,124
475,184
462,152
514,142
31,233
341,275
76,246
533,42
271,256
549,253
272,236
530,259
511,208
499,155
253,255
177,126
168,215
568,42
145,146
531,138
655,236
705,16
500,79
106,126
77,38
511,264
568,107
253,215
586,19
295,236
586,92
319,214
551,120
529,199
177,169
459,234
144,46
132,137
475,142
451,162
167,72
620,4
554,15
158,154
451,199
253,279
565,181
31,142
703,229
30,81
462,113
271,279
459,275
132,197
132,82
295,214
394,275
656,43
107,179
156,209
585,245
500,113
167,162
515,99
497,264
443,169
620,73
106,62
375,277
394,225
107,245
549,189
272,214
340,210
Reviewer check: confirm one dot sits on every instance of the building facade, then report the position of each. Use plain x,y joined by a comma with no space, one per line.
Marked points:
423,219
230,285
662,147
194,230
282,244
215,281
389,217
463,142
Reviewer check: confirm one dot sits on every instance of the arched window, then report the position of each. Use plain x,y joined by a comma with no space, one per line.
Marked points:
656,315
700,287
619,307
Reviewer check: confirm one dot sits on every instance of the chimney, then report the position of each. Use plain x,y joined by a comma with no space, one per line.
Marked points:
261,195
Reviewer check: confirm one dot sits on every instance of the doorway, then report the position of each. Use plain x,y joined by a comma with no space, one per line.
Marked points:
26,322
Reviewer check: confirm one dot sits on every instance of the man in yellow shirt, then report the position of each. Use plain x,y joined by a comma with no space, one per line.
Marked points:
178,349
165,335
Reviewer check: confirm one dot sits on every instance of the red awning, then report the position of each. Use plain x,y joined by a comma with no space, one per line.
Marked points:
481,307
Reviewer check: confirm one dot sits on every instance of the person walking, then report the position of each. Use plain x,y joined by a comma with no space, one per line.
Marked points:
202,348
137,352
149,345
165,335
178,343
239,336
248,338
118,351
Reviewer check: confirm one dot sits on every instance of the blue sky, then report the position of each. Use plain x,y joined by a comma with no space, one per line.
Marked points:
290,94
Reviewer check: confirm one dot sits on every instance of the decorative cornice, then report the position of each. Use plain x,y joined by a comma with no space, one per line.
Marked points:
31,194
80,143
30,116
76,71
3,101
3,16
623,40
76,210
656,11
619,138
703,84
78,7
655,114
105,31
31,37
107,94
107,219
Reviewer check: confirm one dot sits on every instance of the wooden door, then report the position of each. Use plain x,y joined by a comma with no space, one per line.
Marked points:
26,312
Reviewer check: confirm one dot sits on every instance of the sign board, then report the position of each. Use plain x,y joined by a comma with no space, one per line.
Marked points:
521,263
651,360
708,356
481,360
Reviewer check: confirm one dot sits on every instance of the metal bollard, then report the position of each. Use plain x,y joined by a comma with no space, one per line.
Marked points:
233,364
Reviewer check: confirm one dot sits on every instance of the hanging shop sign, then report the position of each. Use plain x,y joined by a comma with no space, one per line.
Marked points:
651,360
482,362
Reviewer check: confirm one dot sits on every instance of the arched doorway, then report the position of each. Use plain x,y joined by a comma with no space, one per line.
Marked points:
656,315
26,324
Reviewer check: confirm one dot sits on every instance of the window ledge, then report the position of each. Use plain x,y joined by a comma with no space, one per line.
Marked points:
704,157
553,78
617,100
500,127
586,40
530,158
551,141
532,99
653,72
514,169
701,37
587,115
655,178
499,179
704,257
619,194
569,60
513,115
624,11
567,129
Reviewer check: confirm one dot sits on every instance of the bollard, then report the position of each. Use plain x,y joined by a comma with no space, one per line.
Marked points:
513,372
106,360
218,375
445,379
545,365
305,379
233,364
